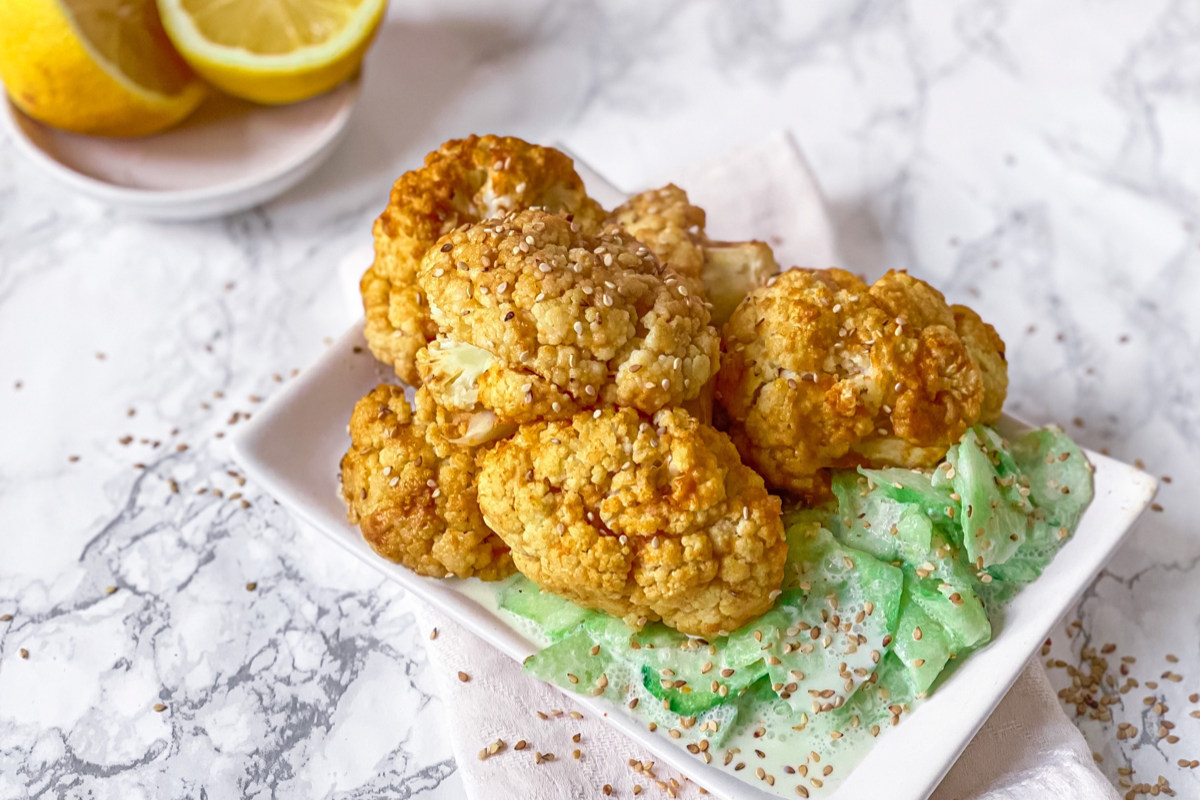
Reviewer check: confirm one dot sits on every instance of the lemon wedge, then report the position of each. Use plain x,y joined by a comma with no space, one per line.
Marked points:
94,66
273,51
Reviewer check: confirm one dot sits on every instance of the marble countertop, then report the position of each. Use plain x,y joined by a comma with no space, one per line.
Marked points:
1037,161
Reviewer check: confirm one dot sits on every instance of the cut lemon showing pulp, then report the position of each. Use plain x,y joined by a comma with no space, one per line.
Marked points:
94,66
273,51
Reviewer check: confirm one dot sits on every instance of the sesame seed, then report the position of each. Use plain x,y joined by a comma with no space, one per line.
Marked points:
159,707
464,677
23,653
251,586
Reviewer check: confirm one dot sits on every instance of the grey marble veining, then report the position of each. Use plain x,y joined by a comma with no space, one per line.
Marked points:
1035,160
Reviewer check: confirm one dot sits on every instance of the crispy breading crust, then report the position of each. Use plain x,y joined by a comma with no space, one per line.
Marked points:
463,181
412,492
722,272
673,229
823,371
987,350
641,520
573,321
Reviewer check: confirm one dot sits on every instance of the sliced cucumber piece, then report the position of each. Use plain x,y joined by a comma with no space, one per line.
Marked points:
823,640
691,674
922,645
1059,475
1059,480
956,608
869,520
554,615
993,513
570,663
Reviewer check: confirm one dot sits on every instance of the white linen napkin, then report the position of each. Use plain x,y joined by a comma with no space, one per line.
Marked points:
1027,749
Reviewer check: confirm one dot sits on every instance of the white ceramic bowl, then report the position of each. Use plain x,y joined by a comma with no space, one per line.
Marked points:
229,156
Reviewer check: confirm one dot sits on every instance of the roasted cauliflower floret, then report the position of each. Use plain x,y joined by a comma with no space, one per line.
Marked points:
723,272
823,371
733,270
642,520
464,181
673,229
987,350
537,320
411,489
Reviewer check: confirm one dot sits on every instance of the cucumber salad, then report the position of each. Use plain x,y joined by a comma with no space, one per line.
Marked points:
905,572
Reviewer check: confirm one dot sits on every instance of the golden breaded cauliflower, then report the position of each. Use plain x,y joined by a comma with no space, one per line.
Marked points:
823,371
642,520
463,181
411,489
537,320
724,272
673,229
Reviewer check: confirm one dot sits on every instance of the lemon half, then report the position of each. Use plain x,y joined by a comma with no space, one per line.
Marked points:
94,66
273,51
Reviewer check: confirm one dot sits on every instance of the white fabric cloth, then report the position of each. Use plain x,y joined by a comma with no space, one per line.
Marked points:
1027,749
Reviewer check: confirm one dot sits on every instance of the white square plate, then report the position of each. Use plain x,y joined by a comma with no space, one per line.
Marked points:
292,448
